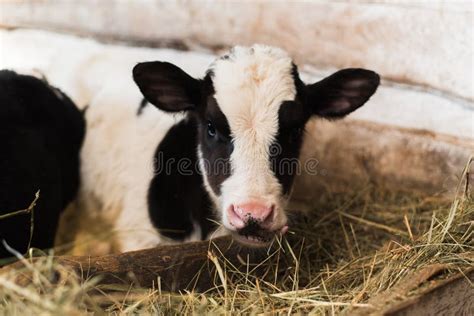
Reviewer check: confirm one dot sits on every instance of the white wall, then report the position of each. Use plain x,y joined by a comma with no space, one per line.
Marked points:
428,43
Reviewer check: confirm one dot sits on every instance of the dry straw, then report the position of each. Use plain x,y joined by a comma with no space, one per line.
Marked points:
351,248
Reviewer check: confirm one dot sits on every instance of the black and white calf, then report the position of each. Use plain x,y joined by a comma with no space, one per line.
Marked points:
41,133
142,170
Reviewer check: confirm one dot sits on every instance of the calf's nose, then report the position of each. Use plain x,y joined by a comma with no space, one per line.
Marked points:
239,215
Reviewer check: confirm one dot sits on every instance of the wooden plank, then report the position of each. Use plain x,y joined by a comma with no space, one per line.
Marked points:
454,296
425,292
176,267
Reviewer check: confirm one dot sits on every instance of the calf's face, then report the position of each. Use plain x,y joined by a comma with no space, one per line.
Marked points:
251,109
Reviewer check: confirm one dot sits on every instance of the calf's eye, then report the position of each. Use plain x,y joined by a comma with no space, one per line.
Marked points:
211,131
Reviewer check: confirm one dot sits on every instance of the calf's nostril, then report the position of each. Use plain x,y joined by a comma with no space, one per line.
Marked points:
271,215
267,218
235,218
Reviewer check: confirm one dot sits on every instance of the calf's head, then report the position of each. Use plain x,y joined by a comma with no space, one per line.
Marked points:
251,109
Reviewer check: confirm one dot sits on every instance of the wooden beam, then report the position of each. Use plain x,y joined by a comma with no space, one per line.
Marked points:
176,267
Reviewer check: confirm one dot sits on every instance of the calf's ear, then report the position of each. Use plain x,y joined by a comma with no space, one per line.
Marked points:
167,86
341,93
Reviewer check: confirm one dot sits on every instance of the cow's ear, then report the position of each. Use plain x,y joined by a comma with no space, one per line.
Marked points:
341,93
167,86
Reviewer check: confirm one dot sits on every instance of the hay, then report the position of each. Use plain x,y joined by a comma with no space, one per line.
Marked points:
350,249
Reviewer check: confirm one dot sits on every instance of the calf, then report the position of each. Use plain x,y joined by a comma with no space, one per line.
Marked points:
213,151
41,132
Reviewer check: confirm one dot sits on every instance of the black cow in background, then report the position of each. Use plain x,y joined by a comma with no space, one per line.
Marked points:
41,132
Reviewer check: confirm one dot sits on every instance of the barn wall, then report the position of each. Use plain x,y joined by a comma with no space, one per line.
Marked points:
426,43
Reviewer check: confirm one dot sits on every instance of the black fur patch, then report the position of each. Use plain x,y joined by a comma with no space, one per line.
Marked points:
177,197
215,150
285,150
41,133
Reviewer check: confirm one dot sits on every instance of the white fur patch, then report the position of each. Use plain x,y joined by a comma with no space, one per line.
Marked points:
250,86
117,160
202,169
